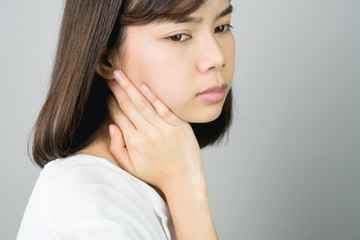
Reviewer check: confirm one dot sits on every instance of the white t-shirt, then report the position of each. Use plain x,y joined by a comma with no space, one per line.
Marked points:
85,197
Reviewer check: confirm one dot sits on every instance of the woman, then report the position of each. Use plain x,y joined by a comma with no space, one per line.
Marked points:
138,87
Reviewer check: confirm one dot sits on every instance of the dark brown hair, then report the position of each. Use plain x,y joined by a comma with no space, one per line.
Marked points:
75,107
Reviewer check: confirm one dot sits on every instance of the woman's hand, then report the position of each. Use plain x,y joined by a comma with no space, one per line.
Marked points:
156,146
153,144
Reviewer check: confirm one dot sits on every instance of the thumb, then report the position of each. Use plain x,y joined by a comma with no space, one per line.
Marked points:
119,150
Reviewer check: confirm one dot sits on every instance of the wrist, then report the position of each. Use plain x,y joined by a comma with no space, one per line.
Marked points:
189,205
192,185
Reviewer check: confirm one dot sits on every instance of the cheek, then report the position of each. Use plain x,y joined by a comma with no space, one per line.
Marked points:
161,69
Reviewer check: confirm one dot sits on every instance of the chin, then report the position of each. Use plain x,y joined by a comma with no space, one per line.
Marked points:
204,117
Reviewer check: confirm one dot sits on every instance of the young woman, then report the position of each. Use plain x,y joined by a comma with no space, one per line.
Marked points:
138,87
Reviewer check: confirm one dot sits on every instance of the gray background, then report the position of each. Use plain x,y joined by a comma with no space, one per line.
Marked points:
291,167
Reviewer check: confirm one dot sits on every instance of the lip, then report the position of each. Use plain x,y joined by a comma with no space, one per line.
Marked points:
221,87
213,94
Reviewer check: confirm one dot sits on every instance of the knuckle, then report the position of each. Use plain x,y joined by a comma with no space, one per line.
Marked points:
152,134
133,140
164,112
125,85
125,104
142,106
177,131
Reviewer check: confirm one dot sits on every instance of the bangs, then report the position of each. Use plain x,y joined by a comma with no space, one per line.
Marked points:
145,11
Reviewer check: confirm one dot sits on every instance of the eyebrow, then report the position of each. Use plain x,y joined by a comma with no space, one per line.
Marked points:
227,11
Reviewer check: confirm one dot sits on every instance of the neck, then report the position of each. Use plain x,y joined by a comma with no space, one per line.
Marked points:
100,148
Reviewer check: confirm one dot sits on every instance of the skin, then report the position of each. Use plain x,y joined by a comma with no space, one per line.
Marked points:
178,70
156,98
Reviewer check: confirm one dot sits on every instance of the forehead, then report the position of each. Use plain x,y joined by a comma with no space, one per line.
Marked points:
212,6
137,12
212,10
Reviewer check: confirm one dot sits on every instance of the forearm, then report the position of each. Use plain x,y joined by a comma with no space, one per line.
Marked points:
190,209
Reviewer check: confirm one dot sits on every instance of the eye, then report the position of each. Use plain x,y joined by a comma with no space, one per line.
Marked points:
179,37
223,28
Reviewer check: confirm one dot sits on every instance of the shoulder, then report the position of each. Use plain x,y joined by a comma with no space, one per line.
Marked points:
86,181
84,192
86,174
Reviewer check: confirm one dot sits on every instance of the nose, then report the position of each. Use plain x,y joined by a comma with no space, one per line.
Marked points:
211,56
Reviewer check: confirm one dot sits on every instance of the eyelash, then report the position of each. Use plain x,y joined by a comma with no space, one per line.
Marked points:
227,27
175,38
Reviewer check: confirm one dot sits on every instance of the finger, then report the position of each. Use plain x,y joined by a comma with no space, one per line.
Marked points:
142,105
127,106
164,112
119,150
119,118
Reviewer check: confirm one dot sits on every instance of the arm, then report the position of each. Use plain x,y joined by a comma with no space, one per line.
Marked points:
190,209
157,147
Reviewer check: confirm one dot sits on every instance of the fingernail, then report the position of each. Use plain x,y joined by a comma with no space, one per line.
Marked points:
119,75
111,131
146,89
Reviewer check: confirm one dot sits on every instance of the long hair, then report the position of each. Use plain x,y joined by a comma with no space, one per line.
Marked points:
75,107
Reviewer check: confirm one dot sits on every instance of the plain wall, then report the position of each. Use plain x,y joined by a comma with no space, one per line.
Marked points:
291,167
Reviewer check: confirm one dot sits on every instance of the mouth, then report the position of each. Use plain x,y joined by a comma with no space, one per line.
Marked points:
214,94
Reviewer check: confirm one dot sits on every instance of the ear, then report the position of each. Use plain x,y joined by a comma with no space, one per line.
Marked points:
105,67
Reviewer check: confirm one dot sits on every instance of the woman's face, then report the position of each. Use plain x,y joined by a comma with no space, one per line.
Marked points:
180,60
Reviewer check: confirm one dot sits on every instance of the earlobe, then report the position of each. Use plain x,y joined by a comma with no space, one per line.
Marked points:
105,68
